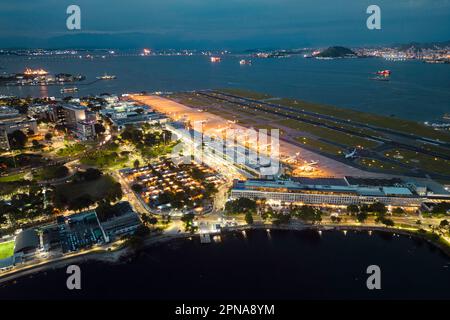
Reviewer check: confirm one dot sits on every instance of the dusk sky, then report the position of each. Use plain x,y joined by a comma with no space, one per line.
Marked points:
223,23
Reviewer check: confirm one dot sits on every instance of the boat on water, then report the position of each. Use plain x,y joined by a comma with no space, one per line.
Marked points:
380,78
245,62
382,75
384,72
69,90
106,77
215,59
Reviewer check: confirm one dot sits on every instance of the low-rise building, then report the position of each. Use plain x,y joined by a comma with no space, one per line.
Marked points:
121,221
8,112
74,114
13,123
86,130
27,243
318,193
128,113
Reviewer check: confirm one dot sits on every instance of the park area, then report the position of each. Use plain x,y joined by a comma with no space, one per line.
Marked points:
78,195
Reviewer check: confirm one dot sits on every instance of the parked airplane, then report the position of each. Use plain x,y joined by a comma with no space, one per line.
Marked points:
351,154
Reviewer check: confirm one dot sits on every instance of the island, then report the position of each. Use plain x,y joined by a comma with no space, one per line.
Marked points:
337,52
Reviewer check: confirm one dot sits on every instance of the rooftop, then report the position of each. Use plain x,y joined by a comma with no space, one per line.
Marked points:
27,240
308,185
74,107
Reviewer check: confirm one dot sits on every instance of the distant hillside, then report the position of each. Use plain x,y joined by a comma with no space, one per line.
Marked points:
336,52
420,45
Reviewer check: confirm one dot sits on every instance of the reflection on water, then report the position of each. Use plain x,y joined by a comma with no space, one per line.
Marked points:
276,265
345,81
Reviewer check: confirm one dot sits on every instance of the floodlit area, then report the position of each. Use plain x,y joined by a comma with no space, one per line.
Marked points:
306,162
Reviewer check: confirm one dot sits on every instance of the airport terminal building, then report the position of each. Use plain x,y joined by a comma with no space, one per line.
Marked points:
330,191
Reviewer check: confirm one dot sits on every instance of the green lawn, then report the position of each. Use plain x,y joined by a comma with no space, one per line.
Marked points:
246,93
320,145
12,177
6,249
50,173
380,165
369,118
71,150
96,189
393,123
329,134
104,159
420,160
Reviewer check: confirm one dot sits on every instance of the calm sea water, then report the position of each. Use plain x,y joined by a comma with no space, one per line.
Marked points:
417,91
279,265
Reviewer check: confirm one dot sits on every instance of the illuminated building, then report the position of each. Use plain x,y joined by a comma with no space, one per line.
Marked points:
327,192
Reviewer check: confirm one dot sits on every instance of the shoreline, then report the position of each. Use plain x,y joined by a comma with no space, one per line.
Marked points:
118,255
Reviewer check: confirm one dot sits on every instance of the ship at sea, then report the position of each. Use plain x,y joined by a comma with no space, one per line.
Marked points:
382,75
245,62
385,73
69,90
106,77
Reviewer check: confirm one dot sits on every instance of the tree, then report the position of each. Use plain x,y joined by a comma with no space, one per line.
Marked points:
352,209
362,216
241,205
137,187
335,219
147,219
91,174
441,208
36,144
136,241
104,211
364,208
153,221
99,128
443,224
210,189
387,222
132,134
114,192
17,139
188,222
308,213
4,208
281,218
136,163
82,202
52,172
398,211
378,207
249,218
268,213
48,136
